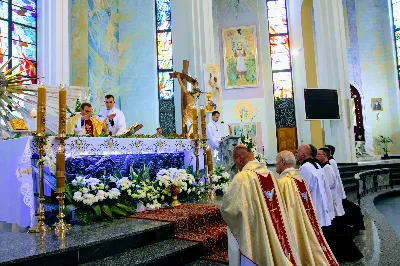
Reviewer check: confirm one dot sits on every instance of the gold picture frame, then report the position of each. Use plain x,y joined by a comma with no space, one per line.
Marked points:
376,104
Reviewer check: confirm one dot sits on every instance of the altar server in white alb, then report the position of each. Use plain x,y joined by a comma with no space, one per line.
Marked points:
114,117
313,177
334,165
336,191
214,133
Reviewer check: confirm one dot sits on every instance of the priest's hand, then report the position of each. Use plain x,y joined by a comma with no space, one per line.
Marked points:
111,117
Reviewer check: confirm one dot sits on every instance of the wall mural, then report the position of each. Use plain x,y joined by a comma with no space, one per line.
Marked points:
100,56
240,57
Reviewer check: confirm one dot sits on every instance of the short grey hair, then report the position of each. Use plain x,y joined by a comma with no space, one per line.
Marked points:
288,156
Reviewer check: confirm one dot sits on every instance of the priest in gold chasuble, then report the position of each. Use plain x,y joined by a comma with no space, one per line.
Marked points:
313,248
258,228
85,124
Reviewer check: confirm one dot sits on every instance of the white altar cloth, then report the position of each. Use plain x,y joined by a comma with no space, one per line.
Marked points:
16,182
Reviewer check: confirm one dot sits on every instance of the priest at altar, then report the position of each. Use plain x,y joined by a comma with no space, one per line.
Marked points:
258,227
85,124
313,248
114,117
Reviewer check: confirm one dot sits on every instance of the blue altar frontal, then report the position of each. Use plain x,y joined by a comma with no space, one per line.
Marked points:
84,156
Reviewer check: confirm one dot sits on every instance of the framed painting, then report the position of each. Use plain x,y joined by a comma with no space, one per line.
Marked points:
376,104
240,57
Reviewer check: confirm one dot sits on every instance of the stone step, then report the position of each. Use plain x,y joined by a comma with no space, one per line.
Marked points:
168,252
81,244
205,263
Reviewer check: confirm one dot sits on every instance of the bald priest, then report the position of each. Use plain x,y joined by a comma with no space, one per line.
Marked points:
313,248
258,227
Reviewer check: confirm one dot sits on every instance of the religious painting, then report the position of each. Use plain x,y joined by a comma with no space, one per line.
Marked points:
212,81
376,104
243,129
244,111
240,57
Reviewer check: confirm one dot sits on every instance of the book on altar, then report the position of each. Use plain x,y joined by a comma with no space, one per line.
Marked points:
132,129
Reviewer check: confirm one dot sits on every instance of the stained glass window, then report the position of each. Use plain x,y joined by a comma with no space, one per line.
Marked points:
396,25
280,49
164,49
18,35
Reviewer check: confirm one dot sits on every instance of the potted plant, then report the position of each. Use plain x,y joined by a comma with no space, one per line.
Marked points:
383,142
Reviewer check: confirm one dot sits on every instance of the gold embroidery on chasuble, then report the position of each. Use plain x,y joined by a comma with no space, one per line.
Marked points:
306,200
271,199
89,127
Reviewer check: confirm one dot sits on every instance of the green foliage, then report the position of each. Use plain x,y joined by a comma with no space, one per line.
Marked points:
251,74
383,142
77,106
233,77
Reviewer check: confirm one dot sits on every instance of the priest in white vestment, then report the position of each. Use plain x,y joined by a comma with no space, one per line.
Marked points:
313,248
334,165
214,133
259,231
323,155
310,172
114,117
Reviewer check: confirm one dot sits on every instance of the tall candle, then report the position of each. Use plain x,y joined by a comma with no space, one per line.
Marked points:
60,170
62,115
209,160
203,121
195,123
41,111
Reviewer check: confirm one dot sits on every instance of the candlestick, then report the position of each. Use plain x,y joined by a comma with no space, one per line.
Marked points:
203,121
60,170
62,117
209,159
195,123
41,111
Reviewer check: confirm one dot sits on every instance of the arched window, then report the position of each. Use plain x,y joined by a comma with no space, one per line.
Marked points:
164,66
18,35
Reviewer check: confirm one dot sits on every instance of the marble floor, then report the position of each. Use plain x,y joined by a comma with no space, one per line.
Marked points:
391,209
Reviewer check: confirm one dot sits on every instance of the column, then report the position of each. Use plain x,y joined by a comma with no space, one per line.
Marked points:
53,41
332,70
193,36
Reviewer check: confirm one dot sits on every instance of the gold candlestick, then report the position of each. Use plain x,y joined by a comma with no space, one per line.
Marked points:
195,123
196,154
62,115
204,142
211,193
41,226
41,112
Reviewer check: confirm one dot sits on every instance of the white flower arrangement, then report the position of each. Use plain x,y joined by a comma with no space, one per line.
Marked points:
91,191
49,159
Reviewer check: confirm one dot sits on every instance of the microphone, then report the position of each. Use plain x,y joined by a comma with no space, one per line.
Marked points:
222,122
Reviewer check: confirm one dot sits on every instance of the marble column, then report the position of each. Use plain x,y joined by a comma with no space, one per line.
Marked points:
53,58
332,69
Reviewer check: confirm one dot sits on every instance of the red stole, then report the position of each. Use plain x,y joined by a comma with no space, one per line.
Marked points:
89,127
271,199
306,199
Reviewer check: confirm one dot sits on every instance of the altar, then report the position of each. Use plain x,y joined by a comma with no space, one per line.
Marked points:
84,155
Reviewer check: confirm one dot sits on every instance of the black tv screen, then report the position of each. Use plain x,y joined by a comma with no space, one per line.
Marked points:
321,104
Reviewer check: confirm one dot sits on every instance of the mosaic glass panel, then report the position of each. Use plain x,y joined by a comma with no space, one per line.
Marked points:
396,13
28,4
280,54
277,17
3,28
3,47
164,49
165,85
3,10
23,34
24,50
163,14
25,15
27,67
282,85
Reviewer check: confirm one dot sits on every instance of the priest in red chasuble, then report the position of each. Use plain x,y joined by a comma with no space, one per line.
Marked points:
85,124
258,227
313,248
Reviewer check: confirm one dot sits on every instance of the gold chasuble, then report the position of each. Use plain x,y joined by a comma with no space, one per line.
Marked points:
256,217
313,249
92,127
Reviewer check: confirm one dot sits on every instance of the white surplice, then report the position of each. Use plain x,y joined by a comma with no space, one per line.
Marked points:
214,135
312,175
330,185
335,190
119,121
340,188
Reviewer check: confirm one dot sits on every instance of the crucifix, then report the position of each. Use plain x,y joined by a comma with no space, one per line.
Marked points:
188,98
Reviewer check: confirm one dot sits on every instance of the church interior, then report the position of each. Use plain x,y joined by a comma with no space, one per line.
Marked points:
176,132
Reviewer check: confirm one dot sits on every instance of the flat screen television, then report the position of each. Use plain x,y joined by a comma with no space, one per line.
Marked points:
321,104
